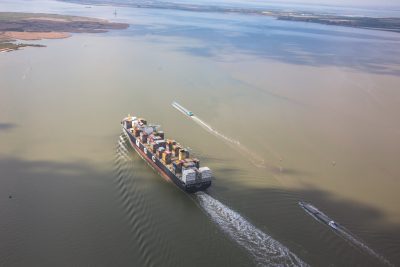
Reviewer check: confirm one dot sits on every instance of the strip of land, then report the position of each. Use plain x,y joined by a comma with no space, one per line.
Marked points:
17,27
375,23
383,24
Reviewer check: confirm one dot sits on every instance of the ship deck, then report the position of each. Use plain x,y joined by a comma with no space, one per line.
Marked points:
169,166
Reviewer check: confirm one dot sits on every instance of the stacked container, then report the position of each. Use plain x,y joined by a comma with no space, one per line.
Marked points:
188,165
161,143
183,154
196,162
170,144
128,124
143,137
142,121
136,132
167,157
160,152
153,147
205,173
188,176
176,149
177,165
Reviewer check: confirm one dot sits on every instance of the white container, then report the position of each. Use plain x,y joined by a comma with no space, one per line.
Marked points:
206,173
188,176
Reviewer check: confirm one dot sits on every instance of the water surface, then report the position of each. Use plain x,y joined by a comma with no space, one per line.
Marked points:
317,104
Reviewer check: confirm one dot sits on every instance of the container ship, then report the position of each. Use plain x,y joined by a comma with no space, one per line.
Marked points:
170,159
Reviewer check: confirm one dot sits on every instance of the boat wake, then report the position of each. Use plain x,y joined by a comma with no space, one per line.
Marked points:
121,151
345,234
134,204
265,250
254,159
215,132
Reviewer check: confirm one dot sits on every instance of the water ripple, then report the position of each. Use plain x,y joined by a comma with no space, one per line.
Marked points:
133,202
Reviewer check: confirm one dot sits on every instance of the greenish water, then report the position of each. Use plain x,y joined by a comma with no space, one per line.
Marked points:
314,108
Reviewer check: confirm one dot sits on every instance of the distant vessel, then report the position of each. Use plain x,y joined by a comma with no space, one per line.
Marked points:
317,214
333,225
167,157
182,109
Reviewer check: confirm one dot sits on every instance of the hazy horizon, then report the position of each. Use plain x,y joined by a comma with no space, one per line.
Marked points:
337,3
358,3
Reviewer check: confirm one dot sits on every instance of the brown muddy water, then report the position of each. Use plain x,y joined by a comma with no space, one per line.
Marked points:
300,112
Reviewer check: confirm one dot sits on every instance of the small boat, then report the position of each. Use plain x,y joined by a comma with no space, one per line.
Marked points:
182,109
319,215
333,225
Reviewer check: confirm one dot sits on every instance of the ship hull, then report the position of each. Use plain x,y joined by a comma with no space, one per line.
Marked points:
316,213
158,166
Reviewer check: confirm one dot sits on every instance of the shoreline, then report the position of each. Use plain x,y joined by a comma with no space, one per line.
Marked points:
30,36
19,26
387,23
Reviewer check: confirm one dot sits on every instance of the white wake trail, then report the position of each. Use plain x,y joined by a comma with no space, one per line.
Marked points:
345,234
209,128
265,250
256,160
363,246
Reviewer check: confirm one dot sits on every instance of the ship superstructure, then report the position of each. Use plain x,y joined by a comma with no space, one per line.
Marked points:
167,156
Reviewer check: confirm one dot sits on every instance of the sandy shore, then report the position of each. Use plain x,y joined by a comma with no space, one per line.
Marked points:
21,27
35,35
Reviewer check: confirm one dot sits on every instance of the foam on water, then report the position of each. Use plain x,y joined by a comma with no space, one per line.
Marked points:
209,128
363,246
254,159
265,250
344,233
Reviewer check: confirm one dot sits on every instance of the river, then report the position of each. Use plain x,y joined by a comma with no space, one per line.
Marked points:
284,112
